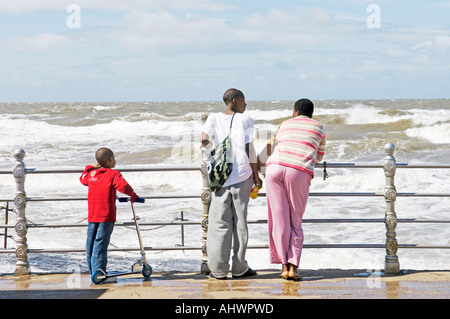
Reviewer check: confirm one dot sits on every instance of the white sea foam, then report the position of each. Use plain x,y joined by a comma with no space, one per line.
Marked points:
436,133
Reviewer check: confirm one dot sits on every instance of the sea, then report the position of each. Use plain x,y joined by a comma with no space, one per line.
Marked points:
58,136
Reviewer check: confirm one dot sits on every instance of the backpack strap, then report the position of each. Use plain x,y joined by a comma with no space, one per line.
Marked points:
231,124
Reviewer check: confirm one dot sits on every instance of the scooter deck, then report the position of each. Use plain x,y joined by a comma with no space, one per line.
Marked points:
99,276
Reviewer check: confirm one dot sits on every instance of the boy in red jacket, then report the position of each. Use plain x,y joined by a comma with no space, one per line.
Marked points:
103,181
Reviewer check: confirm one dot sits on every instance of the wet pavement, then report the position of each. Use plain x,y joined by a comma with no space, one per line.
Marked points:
315,284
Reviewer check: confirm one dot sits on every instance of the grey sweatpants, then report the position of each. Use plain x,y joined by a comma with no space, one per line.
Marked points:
227,221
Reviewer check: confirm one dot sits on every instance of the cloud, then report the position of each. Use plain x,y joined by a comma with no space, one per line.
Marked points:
445,4
277,27
40,42
442,43
164,31
24,6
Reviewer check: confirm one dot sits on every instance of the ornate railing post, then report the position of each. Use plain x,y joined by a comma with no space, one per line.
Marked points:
391,264
22,265
206,199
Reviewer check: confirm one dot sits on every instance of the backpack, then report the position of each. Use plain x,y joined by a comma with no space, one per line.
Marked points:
220,164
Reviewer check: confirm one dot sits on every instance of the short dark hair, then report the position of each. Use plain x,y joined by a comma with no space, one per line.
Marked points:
102,155
304,107
231,94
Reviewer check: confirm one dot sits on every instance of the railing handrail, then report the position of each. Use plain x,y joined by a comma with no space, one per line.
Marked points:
256,221
261,194
390,220
165,168
159,168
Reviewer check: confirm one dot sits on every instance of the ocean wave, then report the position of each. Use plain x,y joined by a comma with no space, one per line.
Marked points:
434,134
152,116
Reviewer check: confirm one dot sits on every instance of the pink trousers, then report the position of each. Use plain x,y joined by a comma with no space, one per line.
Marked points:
287,192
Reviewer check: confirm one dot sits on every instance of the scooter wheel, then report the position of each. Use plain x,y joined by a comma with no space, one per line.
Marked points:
147,271
98,277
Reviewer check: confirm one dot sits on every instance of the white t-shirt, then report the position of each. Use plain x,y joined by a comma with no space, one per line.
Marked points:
217,126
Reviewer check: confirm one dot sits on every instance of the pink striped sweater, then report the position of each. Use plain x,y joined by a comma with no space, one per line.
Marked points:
300,144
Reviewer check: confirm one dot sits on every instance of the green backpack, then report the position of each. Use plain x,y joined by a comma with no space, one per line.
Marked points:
220,165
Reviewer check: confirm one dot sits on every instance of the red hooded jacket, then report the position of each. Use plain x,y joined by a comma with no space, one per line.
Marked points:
103,183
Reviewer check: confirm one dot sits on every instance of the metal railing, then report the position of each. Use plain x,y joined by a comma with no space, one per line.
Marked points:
391,259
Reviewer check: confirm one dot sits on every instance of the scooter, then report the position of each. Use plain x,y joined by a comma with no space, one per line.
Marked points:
141,266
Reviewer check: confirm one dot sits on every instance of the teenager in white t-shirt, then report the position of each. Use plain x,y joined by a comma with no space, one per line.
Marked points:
228,210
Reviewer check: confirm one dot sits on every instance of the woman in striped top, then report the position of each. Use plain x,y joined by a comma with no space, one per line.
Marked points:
300,143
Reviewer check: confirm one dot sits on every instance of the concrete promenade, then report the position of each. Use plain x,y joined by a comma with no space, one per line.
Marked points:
315,284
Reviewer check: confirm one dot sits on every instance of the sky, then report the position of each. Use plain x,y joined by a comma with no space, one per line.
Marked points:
193,50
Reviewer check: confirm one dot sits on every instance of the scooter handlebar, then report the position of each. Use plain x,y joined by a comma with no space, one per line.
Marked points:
127,199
